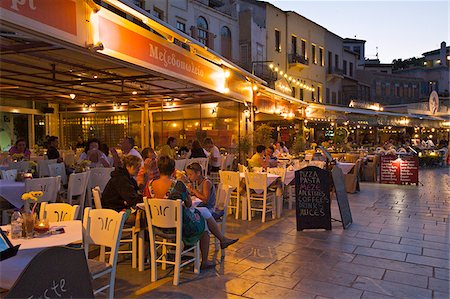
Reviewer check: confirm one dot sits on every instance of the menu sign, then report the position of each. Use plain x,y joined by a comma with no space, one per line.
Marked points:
388,170
312,197
409,170
402,170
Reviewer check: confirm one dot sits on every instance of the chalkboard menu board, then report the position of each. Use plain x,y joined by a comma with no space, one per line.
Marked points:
399,170
341,196
312,198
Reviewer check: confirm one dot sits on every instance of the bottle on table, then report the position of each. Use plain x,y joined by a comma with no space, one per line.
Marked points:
16,225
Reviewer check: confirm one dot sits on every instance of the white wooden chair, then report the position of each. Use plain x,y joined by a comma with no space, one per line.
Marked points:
258,181
280,171
49,186
166,213
203,163
77,188
227,162
129,234
69,158
21,166
98,177
232,179
223,193
9,175
56,212
42,167
180,164
56,169
103,227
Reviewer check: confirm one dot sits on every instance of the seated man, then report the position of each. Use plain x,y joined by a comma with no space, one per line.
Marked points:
271,160
258,159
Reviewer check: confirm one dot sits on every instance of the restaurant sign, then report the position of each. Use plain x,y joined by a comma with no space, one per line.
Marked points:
129,42
62,19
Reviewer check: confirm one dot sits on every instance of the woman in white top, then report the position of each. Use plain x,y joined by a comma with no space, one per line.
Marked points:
94,154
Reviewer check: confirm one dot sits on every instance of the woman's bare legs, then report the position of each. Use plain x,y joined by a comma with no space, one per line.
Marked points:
214,229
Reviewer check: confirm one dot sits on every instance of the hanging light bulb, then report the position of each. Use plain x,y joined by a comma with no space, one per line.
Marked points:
72,96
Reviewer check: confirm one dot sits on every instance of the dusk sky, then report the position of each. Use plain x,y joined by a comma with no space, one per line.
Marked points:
400,29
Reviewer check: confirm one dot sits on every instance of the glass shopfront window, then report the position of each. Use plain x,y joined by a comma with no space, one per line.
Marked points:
218,121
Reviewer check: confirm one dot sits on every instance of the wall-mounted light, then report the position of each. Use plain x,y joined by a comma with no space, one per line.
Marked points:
134,92
72,96
246,113
214,111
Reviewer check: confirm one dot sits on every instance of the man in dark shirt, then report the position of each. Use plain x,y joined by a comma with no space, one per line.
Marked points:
52,150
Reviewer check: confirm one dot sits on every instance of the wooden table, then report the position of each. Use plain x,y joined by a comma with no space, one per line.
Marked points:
11,268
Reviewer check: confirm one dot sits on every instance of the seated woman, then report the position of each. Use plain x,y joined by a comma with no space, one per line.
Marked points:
20,148
197,151
149,170
94,154
122,191
167,187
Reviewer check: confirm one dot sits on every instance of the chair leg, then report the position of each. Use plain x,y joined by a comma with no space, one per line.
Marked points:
134,256
249,209
141,250
264,210
238,199
197,258
277,205
111,284
176,271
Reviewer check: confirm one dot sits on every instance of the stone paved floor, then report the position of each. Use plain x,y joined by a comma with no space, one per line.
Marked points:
397,247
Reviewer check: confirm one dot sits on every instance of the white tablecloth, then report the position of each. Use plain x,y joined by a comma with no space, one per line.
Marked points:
346,167
270,178
12,191
11,268
290,175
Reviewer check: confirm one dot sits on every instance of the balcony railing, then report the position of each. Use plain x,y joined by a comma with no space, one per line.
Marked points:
335,71
296,58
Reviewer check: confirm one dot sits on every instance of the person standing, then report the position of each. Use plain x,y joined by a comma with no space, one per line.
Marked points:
214,154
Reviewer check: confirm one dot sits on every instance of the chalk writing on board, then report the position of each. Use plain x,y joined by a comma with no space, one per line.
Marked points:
57,288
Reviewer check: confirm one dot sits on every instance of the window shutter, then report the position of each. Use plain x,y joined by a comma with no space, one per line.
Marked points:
210,41
194,32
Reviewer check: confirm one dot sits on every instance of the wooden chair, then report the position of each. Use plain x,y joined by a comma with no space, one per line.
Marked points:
56,169
233,180
227,162
22,166
166,213
222,199
98,176
202,161
42,167
351,179
77,188
9,175
56,212
49,186
258,181
129,234
63,268
103,227
369,171
281,171
180,164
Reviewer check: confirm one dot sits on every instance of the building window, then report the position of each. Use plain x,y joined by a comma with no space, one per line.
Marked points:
313,94
294,44
302,95
319,94
321,58
225,41
293,92
344,66
351,69
139,3
277,41
313,54
388,89
357,49
378,89
333,97
202,26
327,95
336,61
181,26
330,61
244,55
158,13
304,48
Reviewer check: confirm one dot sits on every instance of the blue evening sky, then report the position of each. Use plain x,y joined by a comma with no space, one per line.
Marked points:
400,29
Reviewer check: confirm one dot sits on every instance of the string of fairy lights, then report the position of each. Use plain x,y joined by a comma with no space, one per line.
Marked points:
290,79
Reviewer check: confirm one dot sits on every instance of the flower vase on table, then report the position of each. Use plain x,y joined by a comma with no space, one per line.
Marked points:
28,215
